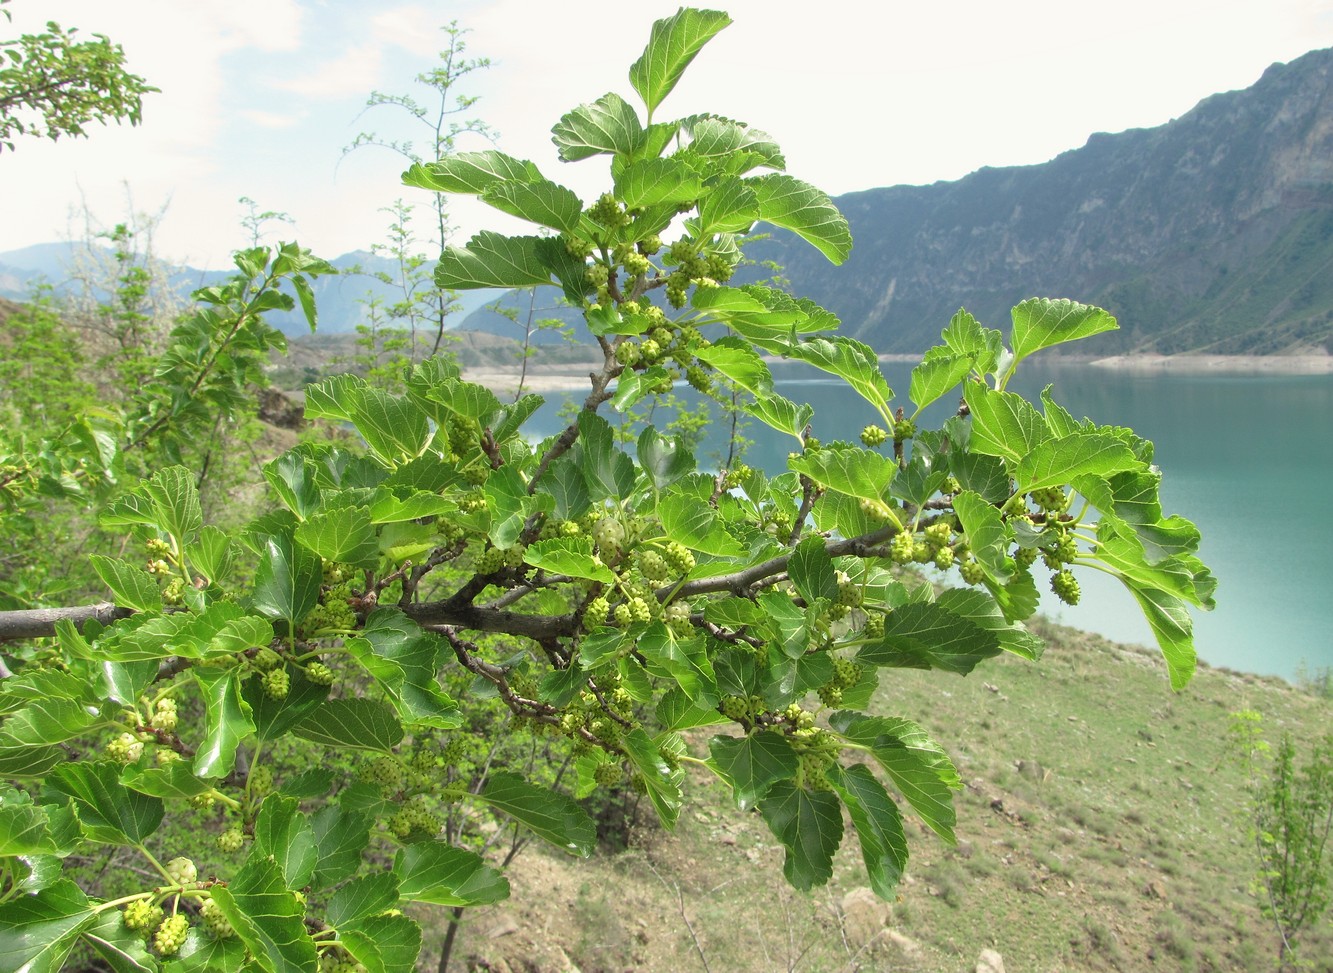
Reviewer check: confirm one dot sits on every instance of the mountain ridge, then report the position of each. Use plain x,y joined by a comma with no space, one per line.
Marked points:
1209,233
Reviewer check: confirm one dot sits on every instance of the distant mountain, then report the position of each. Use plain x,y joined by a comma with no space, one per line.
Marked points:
340,299
1212,233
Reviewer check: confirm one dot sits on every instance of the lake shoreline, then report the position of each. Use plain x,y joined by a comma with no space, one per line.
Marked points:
569,377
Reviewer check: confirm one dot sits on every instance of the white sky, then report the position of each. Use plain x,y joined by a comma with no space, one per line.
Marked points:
259,96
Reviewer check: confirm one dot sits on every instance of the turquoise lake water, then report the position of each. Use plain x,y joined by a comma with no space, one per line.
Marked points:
1240,456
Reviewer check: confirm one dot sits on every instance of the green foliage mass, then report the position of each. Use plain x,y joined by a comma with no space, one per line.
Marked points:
609,598
52,85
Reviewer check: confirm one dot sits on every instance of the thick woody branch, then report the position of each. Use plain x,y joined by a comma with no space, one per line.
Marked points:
38,623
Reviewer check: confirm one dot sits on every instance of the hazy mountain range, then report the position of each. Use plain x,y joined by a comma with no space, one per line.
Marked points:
1211,233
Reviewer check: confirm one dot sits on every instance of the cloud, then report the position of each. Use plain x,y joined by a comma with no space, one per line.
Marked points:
268,119
355,72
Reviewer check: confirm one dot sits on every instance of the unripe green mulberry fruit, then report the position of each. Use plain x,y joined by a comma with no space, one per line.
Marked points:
972,571
1025,556
141,915
265,659
260,780
902,547
217,924
944,558
873,436
170,935
230,840
125,749
627,353
276,683
164,716
608,774
904,429
678,558
182,871
319,674
1065,586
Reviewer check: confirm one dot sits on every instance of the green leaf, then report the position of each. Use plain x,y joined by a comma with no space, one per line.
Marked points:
672,45
227,721
806,211
287,580
811,570
1170,621
606,470
964,335
1055,462
23,761
781,414
368,895
737,360
342,536
572,556
683,660
383,943
431,871
493,260
935,376
857,472
275,717
292,477
175,499
133,587
920,769
552,816
175,780
852,361
1041,322
695,525
404,661
753,764
988,536
341,835
393,426
662,782
1003,424
653,182
212,554
809,825
284,835
306,295
48,721
928,635
358,724
509,503
608,126
470,173
1132,499
267,917
879,826
677,711
26,828
731,207
122,949
109,811
665,460
38,931
978,607
204,954
541,202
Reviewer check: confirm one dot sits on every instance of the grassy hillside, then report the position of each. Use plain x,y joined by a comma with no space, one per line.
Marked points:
1100,829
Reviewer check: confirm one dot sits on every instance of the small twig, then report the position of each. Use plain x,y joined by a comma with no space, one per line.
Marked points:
680,904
